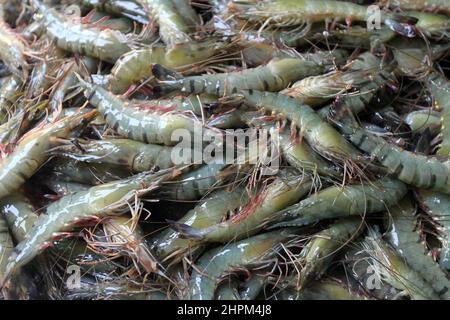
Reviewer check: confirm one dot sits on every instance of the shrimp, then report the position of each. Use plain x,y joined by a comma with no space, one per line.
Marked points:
69,170
215,263
228,291
142,125
366,73
208,212
8,96
122,235
301,156
64,188
374,69
19,214
252,286
406,240
414,58
390,267
136,65
432,25
414,169
423,119
319,134
107,45
316,256
429,5
129,9
134,155
324,289
67,79
274,76
13,51
301,13
317,90
32,151
61,216
6,247
287,189
337,201
193,185
173,27
440,90
437,206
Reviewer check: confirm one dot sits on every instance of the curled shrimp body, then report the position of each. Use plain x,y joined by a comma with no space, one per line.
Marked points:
32,151
393,269
77,209
136,65
288,189
210,211
440,90
19,214
274,76
414,169
142,125
12,51
423,119
135,155
317,255
107,45
337,201
404,237
437,206
320,134
215,263
173,27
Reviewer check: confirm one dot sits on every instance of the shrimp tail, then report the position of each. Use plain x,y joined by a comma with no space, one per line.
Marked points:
185,231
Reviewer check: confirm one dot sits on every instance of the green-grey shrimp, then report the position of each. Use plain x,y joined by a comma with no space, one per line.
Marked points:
134,155
209,211
414,169
390,267
404,237
136,65
337,201
319,134
173,27
61,216
32,151
287,189
138,124
274,76
107,45
316,256
215,263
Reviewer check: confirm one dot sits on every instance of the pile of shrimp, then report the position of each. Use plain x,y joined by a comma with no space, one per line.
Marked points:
348,102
